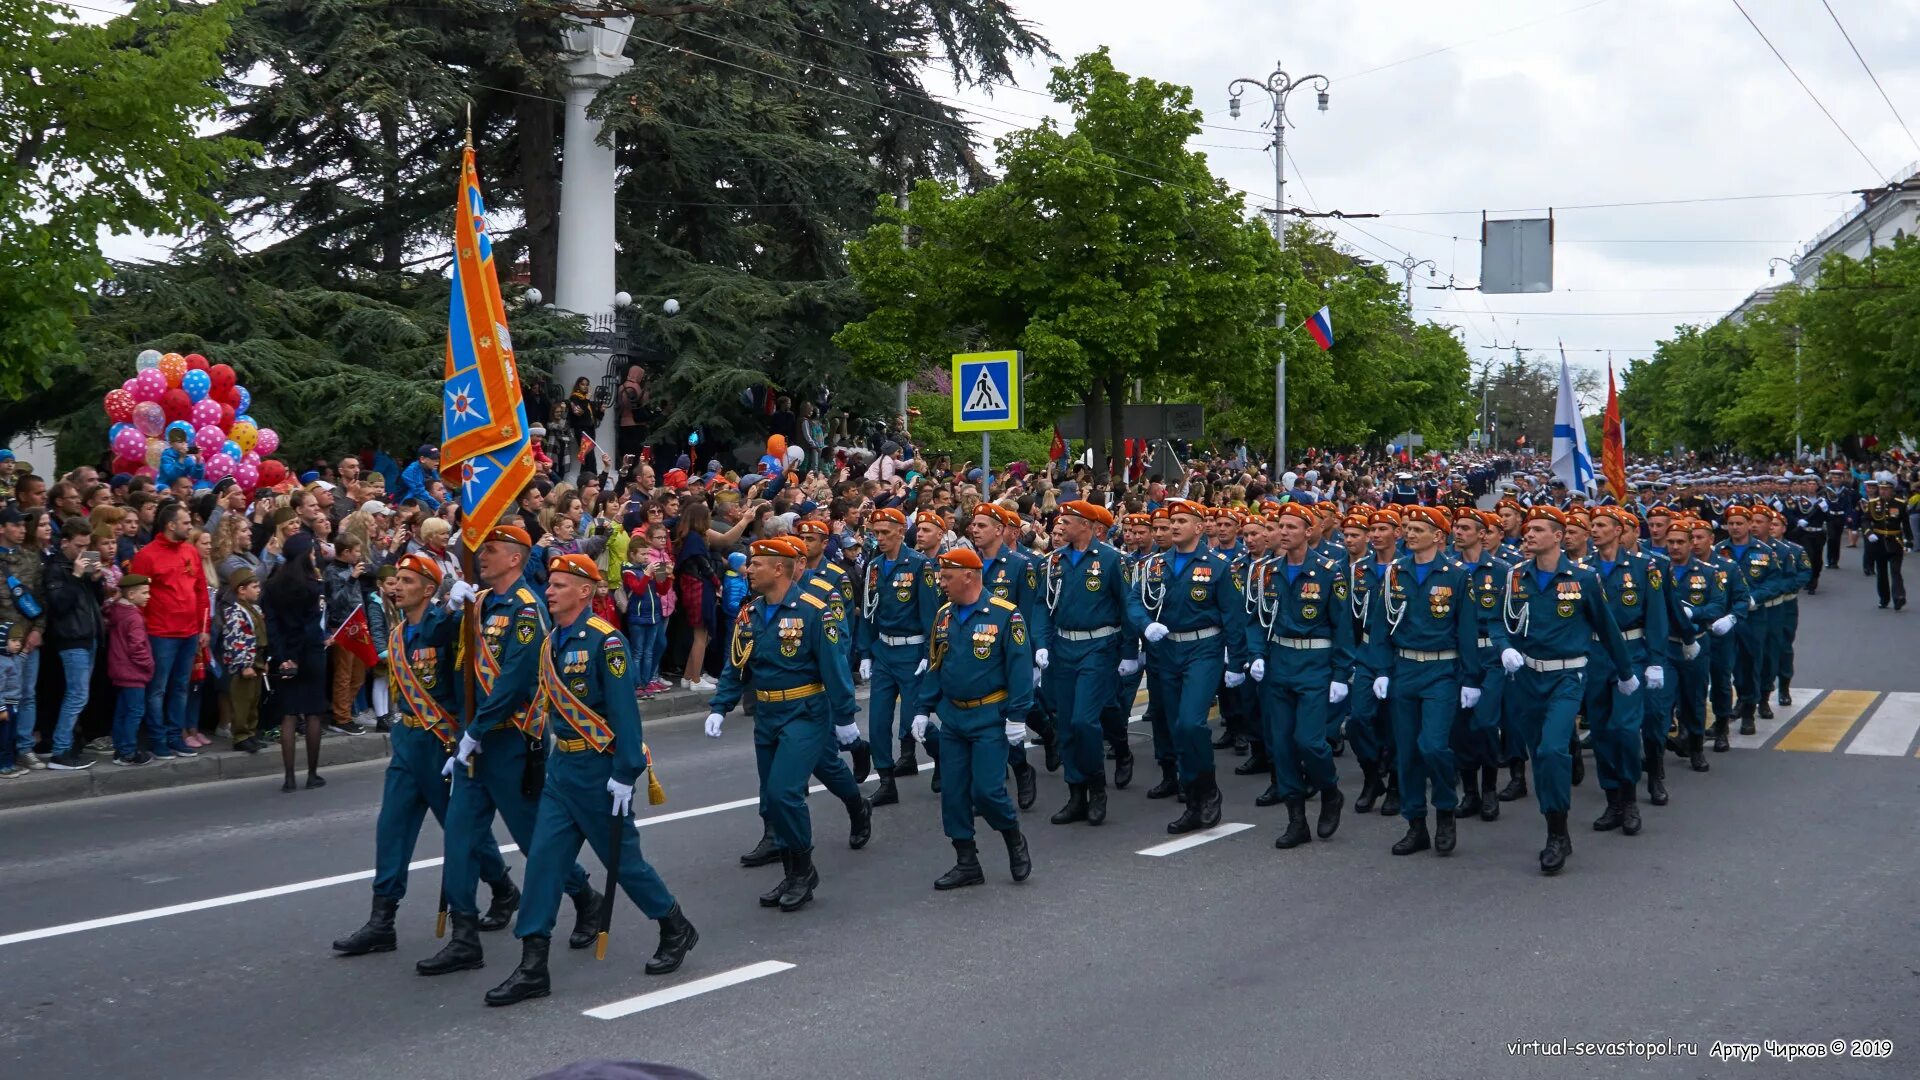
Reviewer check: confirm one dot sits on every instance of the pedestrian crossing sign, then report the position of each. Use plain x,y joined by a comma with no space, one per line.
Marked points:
986,391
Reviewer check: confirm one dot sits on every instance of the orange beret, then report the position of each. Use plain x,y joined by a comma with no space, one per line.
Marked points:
1187,507
1510,504
1160,513
422,565
1547,513
510,534
1240,517
929,517
1579,517
1431,515
573,564
1384,516
888,513
1490,519
1138,519
964,558
1618,515
1663,510
810,525
1735,510
1081,508
1699,523
1293,510
785,547
1355,520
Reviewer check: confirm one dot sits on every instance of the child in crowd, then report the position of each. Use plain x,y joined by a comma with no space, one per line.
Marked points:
243,638
734,588
648,578
130,669
12,638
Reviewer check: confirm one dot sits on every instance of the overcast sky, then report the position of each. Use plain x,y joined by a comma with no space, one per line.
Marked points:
1536,104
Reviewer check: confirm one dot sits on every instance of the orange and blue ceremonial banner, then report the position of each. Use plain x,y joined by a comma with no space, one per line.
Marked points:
485,452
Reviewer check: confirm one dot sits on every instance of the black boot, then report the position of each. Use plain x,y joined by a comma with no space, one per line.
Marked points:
1224,741
1169,784
859,823
506,901
586,918
1189,819
1271,796
1338,746
1416,839
677,938
1370,788
1786,693
462,951
1469,792
1696,760
377,935
1610,819
933,784
966,868
1721,744
529,980
906,764
1443,832
1330,803
1629,812
1516,787
1656,779
1209,799
1390,801
1579,757
1019,858
800,886
1489,802
1258,763
1296,832
1553,857
766,852
1122,768
1766,713
888,793
1025,784
1096,800
771,898
1076,808
1050,749
1746,720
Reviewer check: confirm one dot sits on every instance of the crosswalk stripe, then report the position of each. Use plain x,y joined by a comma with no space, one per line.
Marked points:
1828,722
1782,716
1890,730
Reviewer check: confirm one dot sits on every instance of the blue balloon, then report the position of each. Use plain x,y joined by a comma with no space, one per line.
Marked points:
197,384
246,399
185,429
114,431
202,485
243,418
232,450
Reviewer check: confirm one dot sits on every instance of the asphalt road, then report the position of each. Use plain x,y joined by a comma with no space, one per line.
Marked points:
1773,899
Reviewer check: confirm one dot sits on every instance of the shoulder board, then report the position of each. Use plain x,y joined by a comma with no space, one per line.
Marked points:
820,582
836,568
525,595
600,624
814,600
944,609
999,603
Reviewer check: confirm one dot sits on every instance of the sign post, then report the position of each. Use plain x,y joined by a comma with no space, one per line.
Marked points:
986,399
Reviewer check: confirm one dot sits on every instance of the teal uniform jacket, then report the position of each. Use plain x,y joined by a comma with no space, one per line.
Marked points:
590,658
1307,601
901,599
1014,576
1485,581
793,643
1542,623
829,580
976,653
1193,592
513,626
1702,589
1635,587
1758,568
1430,616
1091,593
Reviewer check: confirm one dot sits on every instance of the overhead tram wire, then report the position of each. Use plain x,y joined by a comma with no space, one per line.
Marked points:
1810,94
1869,70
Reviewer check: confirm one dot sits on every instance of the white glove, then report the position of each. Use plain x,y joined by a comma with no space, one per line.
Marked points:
1380,688
1469,697
460,592
1687,610
922,669
1656,677
1257,669
1628,685
1037,673
714,720
468,747
1040,659
920,726
1154,631
1016,733
622,797
1235,678
866,669
447,769
1800,524
1511,660
1690,650
844,734
1721,625
1336,693
1128,667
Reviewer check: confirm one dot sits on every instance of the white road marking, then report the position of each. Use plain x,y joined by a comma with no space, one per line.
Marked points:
1890,729
214,902
1766,729
700,811
671,994
1193,840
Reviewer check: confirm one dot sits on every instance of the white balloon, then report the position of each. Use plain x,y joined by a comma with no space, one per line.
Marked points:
671,307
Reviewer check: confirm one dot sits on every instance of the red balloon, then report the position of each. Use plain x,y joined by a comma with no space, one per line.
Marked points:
222,377
119,405
272,472
226,395
196,362
176,404
128,465
226,416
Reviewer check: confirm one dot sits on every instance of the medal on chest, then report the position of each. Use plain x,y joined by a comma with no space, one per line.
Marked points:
426,665
983,638
1440,601
1201,578
1568,598
1629,593
1093,577
903,586
573,669
790,629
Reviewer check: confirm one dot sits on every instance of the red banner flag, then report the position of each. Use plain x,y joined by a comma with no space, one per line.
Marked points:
1613,443
356,637
1059,448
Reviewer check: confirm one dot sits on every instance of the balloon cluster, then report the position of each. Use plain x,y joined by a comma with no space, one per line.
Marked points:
181,416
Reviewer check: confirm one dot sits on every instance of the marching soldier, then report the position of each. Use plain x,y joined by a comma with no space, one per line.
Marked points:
1551,609
1476,730
1733,584
1160,536
1095,624
1239,728
830,581
1137,537
587,683
790,645
1302,643
981,683
1809,513
420,652
1369,720
1634,588
902,595
1194,604
1802,569
1755,563
1699,596
501,761
1014,576
1888,536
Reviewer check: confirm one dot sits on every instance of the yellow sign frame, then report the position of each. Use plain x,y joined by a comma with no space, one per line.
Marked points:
1010,360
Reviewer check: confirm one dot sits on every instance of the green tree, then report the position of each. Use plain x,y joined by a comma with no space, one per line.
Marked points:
98,125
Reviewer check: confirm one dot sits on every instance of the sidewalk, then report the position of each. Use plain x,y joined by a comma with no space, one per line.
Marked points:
218,762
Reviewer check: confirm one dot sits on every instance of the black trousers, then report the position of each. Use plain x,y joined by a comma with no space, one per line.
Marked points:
1813,539
1884,557
1834,528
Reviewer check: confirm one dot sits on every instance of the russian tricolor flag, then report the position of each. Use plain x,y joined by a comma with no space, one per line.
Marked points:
1320,325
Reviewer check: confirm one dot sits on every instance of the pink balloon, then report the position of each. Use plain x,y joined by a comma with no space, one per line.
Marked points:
218,466
209,438
251,457
131,444
147,471
204,413
267,442
149,385
151,419
248,474
127,386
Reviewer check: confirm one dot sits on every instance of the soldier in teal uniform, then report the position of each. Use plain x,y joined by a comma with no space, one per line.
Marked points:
1199,630
1239,718
1635,588
1095,624
1551,610
829,579
1014,576
587,683
1159,533
1759,567
1137,536
981,684
789,644
899,600
501,759
1802,567
425,680
1700,597
1429,668
1476,730
1369,721
1301,639
1723,646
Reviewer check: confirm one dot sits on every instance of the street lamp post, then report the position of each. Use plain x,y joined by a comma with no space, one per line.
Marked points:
1277,86
1408,264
